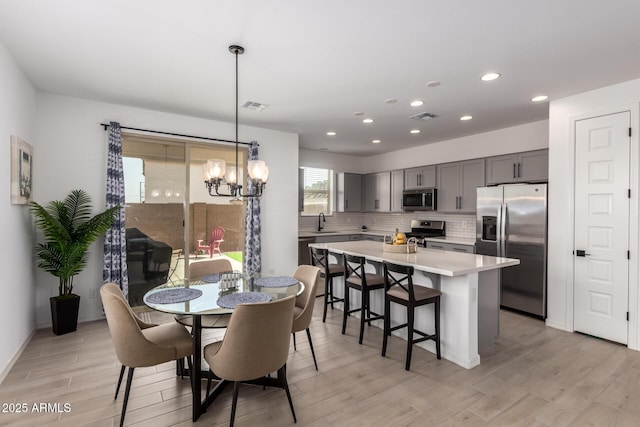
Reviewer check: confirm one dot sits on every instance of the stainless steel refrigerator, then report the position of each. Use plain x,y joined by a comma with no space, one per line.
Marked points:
512,222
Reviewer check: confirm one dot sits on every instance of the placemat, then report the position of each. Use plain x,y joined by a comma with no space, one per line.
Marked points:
231,300
211,278
172,296
276,282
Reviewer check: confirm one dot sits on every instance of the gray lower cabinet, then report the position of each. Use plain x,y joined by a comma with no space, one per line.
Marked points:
372,238
469,249
457,183
304,256
529,166
349,197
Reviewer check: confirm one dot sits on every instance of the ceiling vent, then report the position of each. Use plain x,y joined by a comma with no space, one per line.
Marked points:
423,116
254,106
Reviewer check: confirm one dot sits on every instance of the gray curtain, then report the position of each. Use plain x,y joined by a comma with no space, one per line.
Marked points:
253,245
115,242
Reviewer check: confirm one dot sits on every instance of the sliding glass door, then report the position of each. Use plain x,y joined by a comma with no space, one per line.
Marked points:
169,213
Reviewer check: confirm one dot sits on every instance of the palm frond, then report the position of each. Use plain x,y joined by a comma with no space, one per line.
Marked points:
69,229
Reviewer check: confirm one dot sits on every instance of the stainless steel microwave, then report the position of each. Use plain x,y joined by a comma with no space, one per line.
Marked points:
425,199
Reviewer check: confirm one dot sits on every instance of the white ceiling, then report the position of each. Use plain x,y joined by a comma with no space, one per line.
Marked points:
315,63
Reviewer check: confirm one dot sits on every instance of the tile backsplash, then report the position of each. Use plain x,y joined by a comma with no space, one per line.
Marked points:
456,225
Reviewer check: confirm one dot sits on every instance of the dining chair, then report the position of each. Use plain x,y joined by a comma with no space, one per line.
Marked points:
303,310
399,288
215,239
200,269
139,344
320,258
357,278
256,344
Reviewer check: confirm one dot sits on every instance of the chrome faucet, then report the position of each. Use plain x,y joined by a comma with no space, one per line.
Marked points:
321,216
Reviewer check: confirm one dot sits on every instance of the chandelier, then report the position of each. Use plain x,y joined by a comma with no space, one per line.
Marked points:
215,171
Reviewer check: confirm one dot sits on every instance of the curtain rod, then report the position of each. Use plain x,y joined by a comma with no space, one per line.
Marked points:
106,126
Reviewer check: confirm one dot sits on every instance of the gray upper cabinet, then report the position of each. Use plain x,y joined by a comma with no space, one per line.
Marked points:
377,192
423,177
349,195
397,187
457,183
530,166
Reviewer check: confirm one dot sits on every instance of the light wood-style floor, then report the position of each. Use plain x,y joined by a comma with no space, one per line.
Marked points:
535,376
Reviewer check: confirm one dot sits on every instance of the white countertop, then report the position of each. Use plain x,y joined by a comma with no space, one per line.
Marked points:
444,239
452,240
445,263
311,233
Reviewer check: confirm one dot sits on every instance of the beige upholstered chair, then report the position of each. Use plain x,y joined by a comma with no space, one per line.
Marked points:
137,343
256,344
212,266
303,310
199,269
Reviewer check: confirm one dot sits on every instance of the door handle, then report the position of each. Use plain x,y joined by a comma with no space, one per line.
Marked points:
581,253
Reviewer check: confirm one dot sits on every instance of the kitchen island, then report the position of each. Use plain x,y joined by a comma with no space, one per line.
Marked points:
470,302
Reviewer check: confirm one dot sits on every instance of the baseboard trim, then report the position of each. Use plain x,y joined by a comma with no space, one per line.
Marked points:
16,356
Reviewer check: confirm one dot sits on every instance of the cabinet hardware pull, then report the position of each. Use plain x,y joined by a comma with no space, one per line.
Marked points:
519,174
514,170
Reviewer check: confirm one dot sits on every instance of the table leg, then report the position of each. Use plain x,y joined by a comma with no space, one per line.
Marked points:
196,373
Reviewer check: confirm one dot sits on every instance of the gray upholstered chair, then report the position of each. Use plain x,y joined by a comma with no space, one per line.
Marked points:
199,269
303,310
255,345
139,344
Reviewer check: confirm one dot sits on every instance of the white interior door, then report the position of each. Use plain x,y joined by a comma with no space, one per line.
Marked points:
601,269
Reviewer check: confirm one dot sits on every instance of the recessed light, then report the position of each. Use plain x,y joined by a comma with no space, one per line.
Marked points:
490,76
331,133
390,101
417,103
415,130
433,84
376,141
539,98
358,113
465,118
367,121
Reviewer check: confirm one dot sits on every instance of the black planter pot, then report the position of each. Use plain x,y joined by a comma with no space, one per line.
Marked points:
64,313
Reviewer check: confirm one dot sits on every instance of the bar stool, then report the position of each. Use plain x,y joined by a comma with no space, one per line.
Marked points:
356,278
320,258
399,288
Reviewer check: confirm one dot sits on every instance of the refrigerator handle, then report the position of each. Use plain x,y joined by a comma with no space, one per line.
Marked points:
503,230
499,232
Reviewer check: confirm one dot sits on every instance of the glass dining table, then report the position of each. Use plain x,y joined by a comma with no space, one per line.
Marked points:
215,295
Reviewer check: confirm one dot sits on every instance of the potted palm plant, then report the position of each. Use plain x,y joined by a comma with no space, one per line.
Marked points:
69,229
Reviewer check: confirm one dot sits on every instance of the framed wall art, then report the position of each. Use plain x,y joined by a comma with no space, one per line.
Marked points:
21,171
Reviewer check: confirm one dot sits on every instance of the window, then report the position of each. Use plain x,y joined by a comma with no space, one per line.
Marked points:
317,187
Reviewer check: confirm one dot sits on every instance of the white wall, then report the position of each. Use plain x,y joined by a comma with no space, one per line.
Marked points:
337,162
562,115
530,136
17,117
74,146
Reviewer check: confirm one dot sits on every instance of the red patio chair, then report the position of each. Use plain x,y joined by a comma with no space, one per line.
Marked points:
215,239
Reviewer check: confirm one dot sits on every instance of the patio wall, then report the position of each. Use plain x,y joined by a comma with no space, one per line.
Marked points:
163,222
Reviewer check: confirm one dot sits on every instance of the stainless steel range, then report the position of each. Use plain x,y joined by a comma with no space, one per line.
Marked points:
420,229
